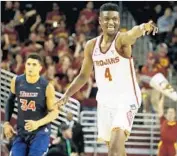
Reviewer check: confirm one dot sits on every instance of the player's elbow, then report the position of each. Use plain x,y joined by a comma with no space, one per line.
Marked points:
132,40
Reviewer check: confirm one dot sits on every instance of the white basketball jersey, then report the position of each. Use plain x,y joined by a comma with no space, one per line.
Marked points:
115,77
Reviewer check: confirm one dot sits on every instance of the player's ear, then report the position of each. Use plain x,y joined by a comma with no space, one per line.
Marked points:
40,68
99,20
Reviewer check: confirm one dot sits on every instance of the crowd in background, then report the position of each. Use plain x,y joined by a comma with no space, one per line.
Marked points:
24,31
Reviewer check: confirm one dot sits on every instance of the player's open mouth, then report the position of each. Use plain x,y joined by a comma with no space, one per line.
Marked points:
110,28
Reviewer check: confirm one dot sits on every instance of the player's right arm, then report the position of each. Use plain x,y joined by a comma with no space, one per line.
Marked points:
8,129
81,79
130,37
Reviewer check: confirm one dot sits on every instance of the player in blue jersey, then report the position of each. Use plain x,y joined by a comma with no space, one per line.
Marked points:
36,109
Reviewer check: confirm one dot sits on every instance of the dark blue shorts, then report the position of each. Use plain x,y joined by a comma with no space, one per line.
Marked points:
36,145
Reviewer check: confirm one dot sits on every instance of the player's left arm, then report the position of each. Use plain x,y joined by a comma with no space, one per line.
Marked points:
52,111
130,37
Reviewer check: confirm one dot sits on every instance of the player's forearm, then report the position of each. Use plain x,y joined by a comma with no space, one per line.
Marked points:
132,35
137,31
9,107
78,82
51,116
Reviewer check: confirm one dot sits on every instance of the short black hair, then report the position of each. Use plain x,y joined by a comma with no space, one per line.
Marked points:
36,57
109,7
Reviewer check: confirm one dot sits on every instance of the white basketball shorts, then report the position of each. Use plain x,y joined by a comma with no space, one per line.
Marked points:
109,118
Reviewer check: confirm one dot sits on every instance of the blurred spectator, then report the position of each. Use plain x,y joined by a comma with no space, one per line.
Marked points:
171,34
49,47
150,95
163,60
64,64
61,31
76,64
23,21
172,44
62,47
157,12
175,11
8,13
65,147
78,136
54,17
71,73
41,37
172,52
7,62
48,61
165,23
80,44
50,75
168,131
10,34
16,6
18,15
30,46
18,67
37,27
87,20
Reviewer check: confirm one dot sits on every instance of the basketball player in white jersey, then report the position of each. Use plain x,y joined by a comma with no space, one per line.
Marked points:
118,94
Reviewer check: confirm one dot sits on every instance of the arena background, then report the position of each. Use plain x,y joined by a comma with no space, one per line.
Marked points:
59,36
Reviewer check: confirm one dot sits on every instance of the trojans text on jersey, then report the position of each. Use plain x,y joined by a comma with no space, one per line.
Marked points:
108,61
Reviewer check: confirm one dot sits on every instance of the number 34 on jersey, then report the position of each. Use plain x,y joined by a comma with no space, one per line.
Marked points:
25,105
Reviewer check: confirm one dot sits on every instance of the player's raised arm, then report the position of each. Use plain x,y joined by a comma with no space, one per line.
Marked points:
132,35
81,79
8,129
52,108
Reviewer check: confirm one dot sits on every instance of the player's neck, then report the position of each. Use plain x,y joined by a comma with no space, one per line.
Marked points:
32,79
108,38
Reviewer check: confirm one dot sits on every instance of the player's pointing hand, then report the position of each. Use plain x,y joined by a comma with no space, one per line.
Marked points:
150,27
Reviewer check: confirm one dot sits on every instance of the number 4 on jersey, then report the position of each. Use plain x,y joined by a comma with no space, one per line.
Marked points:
27,106
108,74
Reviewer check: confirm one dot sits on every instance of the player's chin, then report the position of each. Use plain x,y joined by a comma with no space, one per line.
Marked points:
113,32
